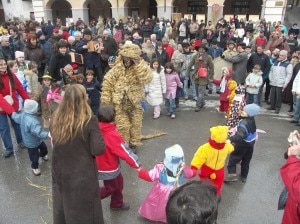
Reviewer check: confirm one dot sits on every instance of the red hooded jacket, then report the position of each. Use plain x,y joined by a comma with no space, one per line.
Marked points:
7,108
108,163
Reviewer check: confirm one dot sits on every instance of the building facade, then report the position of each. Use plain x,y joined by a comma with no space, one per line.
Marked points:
271,10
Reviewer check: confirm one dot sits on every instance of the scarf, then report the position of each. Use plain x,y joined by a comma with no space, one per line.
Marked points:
223,84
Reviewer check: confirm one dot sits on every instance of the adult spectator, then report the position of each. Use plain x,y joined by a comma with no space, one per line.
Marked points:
292,42
6,50
169,31
110,49
294,30
209,36
193,202
182,31
266,80
193,28
46,45
146,30
290,173
204,61
261,40
147,48
210,26
34,52
187,54
160,54
19,45
59,60
153,40
280,75
260,58
158,32
167,47
49,29
13,32
91,59
9,87
214,51
76,141
221,36
277,40
239,64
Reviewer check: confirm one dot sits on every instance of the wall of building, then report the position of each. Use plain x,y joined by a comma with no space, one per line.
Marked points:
17,8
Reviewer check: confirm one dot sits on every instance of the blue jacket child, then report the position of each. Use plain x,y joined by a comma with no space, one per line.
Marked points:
33,134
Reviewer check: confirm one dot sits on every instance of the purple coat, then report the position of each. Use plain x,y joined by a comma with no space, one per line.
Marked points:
172,82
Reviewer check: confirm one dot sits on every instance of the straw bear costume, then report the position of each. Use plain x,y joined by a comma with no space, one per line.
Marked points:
123,87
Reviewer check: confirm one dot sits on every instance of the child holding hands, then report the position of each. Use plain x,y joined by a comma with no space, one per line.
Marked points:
167,176
108,163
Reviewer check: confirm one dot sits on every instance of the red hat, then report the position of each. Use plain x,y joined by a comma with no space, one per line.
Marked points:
75,66
55,30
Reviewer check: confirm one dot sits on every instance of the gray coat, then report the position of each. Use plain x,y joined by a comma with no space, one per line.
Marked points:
75,187
239,66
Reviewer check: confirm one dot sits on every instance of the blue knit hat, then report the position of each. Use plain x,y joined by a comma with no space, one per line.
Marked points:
252,109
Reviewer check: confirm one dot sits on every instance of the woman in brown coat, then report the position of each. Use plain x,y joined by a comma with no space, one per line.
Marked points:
76,141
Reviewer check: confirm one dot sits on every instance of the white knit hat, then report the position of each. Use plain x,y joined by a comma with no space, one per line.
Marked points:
30,106
173,158
19,54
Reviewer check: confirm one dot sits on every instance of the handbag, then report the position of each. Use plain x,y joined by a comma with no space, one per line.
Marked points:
202,72
8,98
283,199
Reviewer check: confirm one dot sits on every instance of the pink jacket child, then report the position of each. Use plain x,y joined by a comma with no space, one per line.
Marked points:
167,176
224,91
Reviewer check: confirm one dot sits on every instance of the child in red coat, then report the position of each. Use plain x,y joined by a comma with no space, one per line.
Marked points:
224,91
108,163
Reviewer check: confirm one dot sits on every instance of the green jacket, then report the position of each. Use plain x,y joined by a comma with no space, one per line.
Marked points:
207,63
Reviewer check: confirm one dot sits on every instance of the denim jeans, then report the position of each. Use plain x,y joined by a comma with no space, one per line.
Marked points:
296,107
170,105
185,84
36,153
5,132
251,98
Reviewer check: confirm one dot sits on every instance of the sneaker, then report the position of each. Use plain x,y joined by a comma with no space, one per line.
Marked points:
277,111
195,98
244,179
124,207
231,178
218,92
8,154
45,158
197,109
270,108
186,97
36,172
209,91
168,114
173,116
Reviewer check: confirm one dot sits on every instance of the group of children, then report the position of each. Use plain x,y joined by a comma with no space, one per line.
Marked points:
209,158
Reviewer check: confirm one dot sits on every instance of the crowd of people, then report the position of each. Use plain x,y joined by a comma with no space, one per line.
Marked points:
51,70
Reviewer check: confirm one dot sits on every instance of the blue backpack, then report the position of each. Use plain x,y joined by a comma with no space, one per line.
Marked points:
250,137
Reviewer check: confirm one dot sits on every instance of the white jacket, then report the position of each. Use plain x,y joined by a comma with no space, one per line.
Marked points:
156,88
253,80
296,84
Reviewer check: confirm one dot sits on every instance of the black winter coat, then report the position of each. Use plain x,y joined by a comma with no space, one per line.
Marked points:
57,62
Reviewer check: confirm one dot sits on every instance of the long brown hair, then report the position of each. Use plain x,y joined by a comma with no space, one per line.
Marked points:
71,116
10,75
